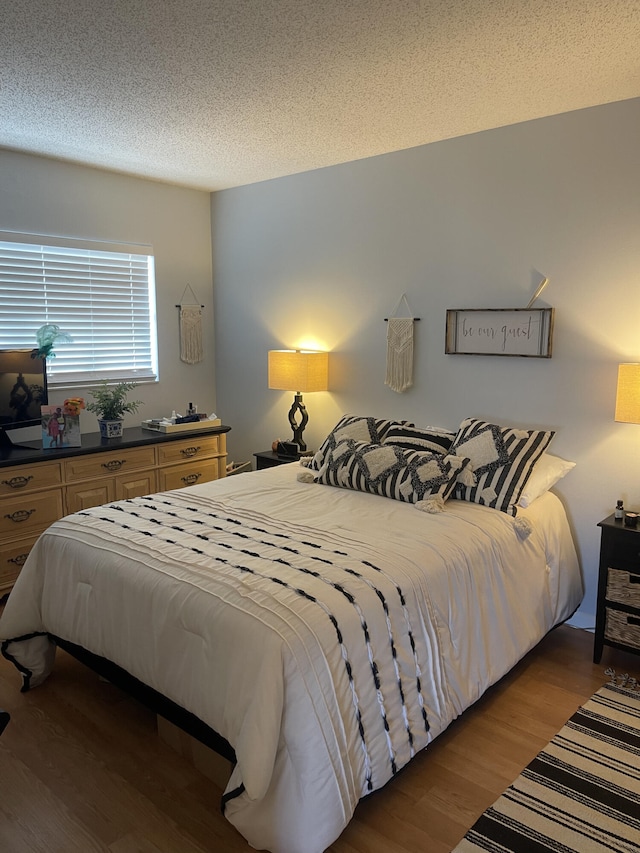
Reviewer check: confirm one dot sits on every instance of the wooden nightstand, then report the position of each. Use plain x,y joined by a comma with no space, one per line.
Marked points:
618,607
269,459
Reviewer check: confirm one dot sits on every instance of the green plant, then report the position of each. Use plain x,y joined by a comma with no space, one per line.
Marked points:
110,401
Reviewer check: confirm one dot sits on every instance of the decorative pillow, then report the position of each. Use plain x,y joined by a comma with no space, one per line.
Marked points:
502,459
546,473
391,471
420,438
366,429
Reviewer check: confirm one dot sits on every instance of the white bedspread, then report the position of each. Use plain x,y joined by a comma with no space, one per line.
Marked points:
328,635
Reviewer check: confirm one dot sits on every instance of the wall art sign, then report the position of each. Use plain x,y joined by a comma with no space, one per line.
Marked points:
524,332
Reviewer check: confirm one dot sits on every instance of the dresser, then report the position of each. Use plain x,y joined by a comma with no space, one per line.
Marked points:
39,486
618,604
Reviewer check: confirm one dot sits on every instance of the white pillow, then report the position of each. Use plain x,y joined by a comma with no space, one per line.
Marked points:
546,473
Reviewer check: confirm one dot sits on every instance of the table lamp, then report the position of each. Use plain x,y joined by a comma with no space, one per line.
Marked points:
628,394
300,371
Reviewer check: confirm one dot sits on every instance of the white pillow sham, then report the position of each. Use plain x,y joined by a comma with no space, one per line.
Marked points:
546,473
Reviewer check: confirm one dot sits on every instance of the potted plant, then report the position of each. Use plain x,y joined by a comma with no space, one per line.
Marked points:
110,405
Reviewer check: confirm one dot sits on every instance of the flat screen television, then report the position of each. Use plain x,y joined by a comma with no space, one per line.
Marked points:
23,389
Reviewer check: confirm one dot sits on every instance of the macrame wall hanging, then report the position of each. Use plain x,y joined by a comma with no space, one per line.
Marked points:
190,328
400,349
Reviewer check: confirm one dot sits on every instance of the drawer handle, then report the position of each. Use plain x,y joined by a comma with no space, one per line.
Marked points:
20,515
18,560
17,482
189,451
190,479
114,464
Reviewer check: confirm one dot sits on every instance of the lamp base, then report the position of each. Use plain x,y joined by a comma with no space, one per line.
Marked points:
298,428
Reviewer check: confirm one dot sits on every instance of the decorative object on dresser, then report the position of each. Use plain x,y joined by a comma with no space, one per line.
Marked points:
110,404
300,371
618,604
61,424
36,489
47,337
23,390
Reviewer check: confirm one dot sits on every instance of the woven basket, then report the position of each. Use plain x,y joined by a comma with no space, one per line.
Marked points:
618,629
623,587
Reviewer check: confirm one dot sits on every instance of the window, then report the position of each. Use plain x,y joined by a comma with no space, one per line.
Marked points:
101,295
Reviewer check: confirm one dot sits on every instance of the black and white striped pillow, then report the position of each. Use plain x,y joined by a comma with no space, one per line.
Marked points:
366,429
420,438
502,459
391,471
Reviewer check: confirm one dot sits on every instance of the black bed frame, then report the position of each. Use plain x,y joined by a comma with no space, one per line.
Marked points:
149,697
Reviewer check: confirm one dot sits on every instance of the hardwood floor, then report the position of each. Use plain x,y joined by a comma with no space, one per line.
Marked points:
82,768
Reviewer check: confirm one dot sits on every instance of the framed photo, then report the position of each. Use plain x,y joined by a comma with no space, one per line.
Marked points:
60,427
526,332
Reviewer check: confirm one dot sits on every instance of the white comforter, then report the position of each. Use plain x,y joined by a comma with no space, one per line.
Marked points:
327,669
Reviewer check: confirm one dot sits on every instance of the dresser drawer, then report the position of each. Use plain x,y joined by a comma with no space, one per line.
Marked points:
30,512
12,557
81,496
190,474
182,451
28,478
110,462
622,628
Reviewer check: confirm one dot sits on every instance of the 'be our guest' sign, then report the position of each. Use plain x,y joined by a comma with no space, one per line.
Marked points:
500,331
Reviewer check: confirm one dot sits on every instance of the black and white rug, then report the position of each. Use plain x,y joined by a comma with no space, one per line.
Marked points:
581,793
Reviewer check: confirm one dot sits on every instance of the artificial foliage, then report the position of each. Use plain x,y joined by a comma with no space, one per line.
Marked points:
110,401
47,337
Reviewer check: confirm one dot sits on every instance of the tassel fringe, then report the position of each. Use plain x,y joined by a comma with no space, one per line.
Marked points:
466,477
626,681
432,504
523,527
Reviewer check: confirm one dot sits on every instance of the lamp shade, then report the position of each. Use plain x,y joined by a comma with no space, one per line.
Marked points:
298,370
628,394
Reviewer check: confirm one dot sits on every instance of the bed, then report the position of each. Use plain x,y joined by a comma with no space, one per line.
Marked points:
328,634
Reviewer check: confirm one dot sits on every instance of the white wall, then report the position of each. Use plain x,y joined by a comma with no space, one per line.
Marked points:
43,196
473,222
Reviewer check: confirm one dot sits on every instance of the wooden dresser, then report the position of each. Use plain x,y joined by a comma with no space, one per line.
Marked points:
39,486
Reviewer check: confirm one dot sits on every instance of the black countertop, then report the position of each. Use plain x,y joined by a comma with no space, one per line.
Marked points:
92,442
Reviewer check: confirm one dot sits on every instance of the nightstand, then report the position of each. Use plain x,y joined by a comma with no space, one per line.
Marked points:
269,459
618,606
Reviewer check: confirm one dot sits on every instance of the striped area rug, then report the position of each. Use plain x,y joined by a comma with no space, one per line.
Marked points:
581,793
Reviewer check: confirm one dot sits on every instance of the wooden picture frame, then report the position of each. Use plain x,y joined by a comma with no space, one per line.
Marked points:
524,332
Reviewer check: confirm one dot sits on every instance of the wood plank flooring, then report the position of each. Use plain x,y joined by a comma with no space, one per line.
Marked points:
83,771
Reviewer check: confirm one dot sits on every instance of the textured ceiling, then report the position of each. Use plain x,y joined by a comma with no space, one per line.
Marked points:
219,93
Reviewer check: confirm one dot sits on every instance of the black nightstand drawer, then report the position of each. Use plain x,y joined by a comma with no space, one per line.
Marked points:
625,551
269,459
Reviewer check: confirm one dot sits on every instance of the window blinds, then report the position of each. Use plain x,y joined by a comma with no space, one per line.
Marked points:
102,295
